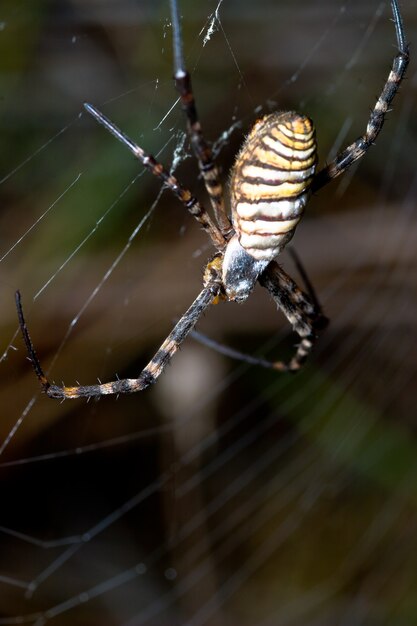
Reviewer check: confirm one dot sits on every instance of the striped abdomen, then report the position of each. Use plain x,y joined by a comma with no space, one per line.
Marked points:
270,182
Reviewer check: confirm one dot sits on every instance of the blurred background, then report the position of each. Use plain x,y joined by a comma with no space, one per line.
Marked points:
226,494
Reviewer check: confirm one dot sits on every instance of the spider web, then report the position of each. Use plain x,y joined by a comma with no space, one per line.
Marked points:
225,494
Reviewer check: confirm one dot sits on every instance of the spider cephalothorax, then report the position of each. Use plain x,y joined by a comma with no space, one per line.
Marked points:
271,180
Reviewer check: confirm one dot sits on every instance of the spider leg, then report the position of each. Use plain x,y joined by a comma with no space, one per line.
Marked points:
303,312
202,150
230,352
150,372
376,120
184,195
33,358
305,278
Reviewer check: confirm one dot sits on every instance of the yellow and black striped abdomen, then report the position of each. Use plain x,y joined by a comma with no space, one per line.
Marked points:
270,182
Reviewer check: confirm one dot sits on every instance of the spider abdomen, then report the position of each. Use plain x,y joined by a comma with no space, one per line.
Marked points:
271,181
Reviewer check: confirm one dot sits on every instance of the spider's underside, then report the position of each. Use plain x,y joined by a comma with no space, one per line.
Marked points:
274,174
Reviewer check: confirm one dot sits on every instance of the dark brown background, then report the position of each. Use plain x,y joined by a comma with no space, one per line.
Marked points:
252,498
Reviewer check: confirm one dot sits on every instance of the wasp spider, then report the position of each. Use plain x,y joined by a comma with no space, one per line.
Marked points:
274,174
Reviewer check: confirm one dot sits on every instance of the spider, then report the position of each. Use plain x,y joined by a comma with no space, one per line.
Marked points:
271,180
